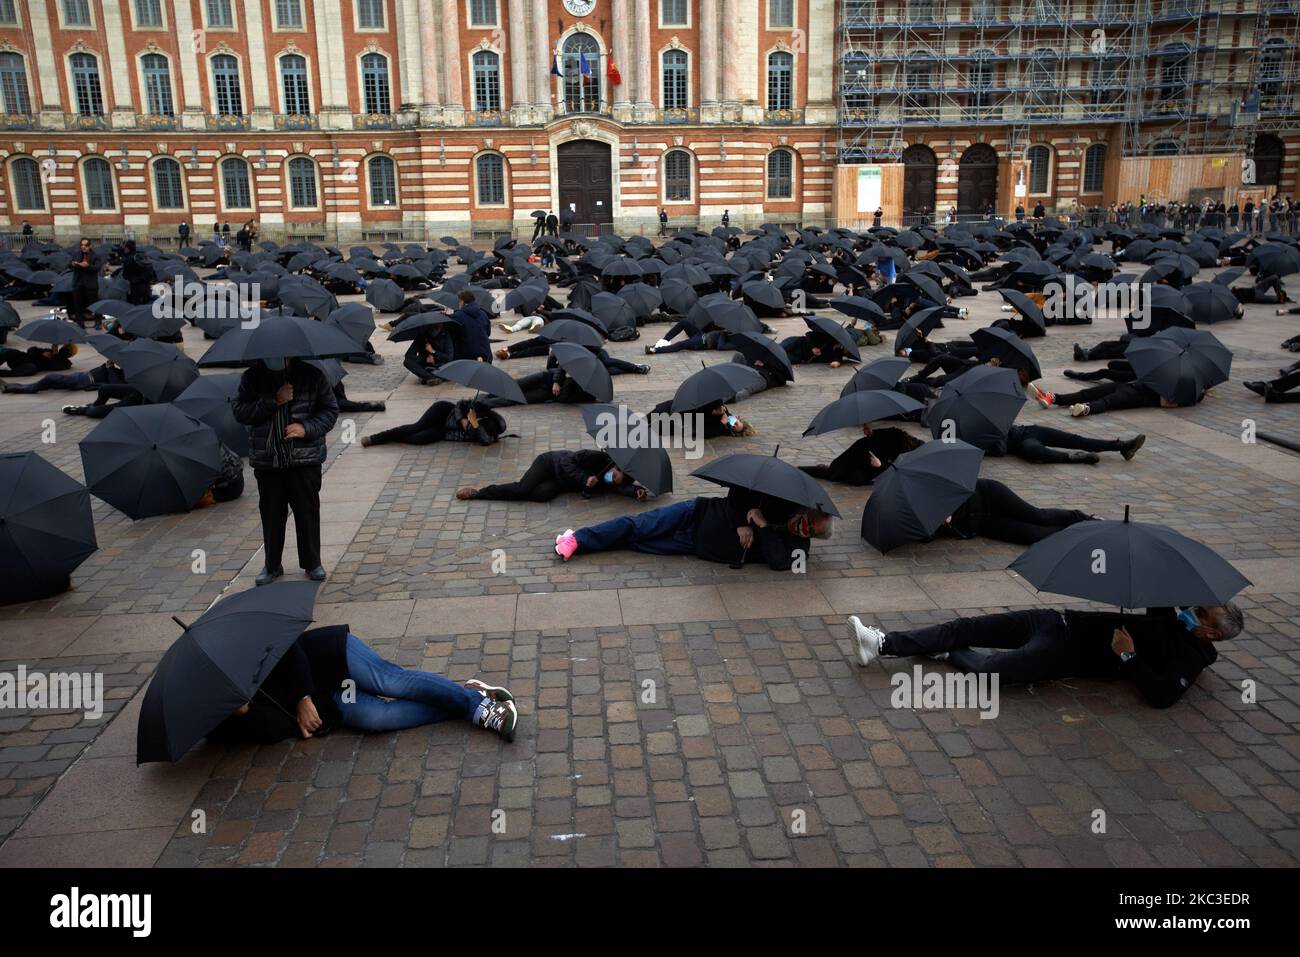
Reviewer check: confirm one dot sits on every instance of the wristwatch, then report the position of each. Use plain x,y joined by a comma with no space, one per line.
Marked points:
1127,656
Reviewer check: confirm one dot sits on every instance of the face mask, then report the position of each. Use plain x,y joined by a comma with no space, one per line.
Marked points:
1188,617
609,477
731,421
275,365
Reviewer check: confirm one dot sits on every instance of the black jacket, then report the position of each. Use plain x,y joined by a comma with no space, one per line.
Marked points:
313,406
1168,658
717,521
315,665
472,333
571,470
853,465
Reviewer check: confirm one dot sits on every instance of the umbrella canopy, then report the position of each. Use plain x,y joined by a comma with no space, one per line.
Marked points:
857,408
144,322
218,664
1180,364
419,324
758,348
642,299
55,332
356,320
678,295
586,369
880,374
149,460
483,377
46,528
160,371
922,322
763,294
279,337
208,398
768,475
570,330
628,439
829,327
1145,566
978,407
714,384
385,295
994,342
858,307
1026,307
917,493
525,299
307,298
1211,302
8,316
724,312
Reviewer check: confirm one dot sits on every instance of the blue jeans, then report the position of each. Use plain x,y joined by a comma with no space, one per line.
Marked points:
390,698
661,531
70,381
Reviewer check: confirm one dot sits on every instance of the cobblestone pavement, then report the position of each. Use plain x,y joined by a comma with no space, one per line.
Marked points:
676,712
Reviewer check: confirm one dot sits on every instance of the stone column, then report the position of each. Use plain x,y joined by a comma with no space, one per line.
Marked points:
47,73
430,64
335,110
641,53
730,59
821,70
187,66
707,61
410,41
453,96
117,83
624,57
263,109
517,44
543,55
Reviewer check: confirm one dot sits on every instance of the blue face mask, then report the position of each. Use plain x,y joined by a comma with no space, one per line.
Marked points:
731,421
1188,617
609,477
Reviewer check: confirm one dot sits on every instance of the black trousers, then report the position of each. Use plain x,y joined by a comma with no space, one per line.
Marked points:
1108,349
125,395
1117,370
1040,443
1111,397
279,492
1005,516
429,428
1032,645
538,483
1285,388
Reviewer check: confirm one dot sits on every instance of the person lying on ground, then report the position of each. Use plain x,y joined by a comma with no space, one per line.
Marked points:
718,420
866,458
1285,388
1107,397
549,385
1042,444
995,511
37,359
330,678
586,472
1160,652
463,421
106,373
814,346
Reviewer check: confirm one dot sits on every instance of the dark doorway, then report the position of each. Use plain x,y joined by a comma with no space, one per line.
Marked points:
1268,160
585,180
977,180
919,174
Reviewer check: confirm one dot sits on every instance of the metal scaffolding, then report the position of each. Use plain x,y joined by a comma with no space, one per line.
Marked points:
1174,75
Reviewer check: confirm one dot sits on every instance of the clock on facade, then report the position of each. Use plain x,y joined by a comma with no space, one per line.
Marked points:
579,8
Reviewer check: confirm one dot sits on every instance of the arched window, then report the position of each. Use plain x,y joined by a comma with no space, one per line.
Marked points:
1094,168
677,176
490,173
293,81
97,177
582,74
487,82
302,183
228,99
1040,167
383,181
157,85
675,80
14,94
235,191
780,174
780,80
374,83
167,189
29,194
86,87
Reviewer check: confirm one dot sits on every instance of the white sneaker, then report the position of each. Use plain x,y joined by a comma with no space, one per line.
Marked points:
661,343
1078,409
963,312
867,640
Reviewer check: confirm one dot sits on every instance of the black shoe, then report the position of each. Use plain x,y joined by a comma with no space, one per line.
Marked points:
267,576
643,370
1256,386
1079,354
1071,374
1085,458
1130,448
317,574
74,410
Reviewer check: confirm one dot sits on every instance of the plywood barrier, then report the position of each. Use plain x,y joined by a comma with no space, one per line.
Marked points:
856,186
1165,179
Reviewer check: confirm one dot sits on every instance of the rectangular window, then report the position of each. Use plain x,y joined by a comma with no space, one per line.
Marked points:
780,14
288,14
76,13
293,76
148,13
374,82
85,84
780,81
220,13
482,13
14,97
8,13
370,14
674,13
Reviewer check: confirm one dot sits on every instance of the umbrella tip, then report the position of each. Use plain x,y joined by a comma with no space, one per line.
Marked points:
776,450
184,627
1126,513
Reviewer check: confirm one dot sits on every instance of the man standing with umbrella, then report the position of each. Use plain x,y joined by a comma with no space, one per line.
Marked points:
539,224
288,407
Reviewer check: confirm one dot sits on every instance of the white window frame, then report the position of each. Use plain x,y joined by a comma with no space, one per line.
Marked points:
505,180
794,79
65,25
220,184
244,105
469,20
663,92
794,17
276,26
162,27
17,21
397,181
144,85
153,186
234,18
663,177
13,184
1051,172
356,18
85,191
690,18
279,83
794,176
288,184
388,73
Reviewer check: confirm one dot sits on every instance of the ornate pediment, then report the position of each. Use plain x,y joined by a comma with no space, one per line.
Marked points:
675,44
583,129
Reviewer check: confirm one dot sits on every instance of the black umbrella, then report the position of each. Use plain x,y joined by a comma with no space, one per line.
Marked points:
1180,364
46,528
994,342
629,440
307,298
978,406
144,322
880,374
756,348
219,664
418,324
679,296
929,288
858,307
525,299
765,294
829,327
570,330
209,399
8,316
918,492
724,312
856,408
107,345
385,295
279,337
1129,564
55,332
1026,307
580,315
160,371
714,384
586,369
483,377
642,299
356,320
1211,302
150,460
923,321
768,475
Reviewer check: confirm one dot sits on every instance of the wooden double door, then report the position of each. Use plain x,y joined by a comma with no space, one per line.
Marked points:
586,181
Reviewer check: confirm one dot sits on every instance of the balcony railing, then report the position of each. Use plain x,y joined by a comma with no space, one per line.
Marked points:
156,121
296,121
782,117
17,121
227,122
76,121
678,115
374,121
485,118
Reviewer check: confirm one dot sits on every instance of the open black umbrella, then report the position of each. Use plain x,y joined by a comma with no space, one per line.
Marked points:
726,313
307,298
857,408
54,332
758,348
159,370
149,460
1211,302
46,528
586,369
1129,564
8,316
1026,307
763,294
146,322
994,342
385,295
419,324
917,493
922,322
483,377
570,330
525,299
1180,364
218,664
279,337
642,299
829,327
768,475
208,398
678,295
628,438
356,320
858,307
977,407
714,384
880,374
